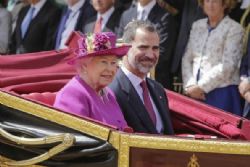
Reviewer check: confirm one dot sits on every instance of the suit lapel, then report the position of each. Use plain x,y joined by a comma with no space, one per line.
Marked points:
90,25
19,25
110,25
134,102
133,13
40,14
153,12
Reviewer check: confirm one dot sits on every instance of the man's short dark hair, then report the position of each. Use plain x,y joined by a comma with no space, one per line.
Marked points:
131,27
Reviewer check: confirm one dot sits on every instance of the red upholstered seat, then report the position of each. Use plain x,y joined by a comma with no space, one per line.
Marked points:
45,97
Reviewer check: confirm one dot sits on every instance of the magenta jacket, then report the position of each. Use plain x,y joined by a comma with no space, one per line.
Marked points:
78,98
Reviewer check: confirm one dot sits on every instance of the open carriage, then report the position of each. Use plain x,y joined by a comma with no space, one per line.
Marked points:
33,133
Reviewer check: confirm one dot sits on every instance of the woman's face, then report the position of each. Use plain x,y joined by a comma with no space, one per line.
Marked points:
214,8
101,71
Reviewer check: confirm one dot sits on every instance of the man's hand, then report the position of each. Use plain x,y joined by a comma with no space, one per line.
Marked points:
244,87
195,92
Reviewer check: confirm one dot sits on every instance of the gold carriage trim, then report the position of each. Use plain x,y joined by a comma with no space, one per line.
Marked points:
53,115
193,162
128,141
66,140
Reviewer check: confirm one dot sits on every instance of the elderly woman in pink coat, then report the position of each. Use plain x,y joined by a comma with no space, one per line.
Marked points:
87,93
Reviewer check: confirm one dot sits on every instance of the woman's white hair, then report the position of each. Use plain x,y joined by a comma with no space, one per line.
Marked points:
79,65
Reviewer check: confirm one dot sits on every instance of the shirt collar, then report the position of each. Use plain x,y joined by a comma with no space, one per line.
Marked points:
105,16
76,6
146,8
38,5
135,80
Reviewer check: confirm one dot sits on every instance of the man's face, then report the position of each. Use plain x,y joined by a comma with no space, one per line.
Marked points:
144,53
33,1
71,2
102,6
144,2
214,8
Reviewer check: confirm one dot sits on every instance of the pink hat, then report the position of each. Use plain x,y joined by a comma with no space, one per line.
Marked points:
99,44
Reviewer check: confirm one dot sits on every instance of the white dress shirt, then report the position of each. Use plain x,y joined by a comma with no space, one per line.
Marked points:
71,22
135,80
38,7
105,16
146,9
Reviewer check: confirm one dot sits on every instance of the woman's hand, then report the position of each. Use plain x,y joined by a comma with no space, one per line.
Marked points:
244,87
247,96
195,92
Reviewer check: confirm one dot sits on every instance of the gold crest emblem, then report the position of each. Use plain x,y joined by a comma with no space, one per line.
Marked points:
193,162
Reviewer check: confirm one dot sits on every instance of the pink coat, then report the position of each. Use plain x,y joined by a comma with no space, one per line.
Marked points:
78,98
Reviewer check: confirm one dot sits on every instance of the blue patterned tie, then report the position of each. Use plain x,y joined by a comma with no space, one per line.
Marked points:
26,21
62,27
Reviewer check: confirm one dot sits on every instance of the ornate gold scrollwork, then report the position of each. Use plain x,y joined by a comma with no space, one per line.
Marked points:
193,162
66,140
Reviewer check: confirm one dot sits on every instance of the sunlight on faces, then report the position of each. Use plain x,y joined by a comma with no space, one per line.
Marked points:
99,71
214,8
144,53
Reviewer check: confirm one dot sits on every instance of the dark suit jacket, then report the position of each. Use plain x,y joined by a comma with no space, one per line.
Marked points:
166,25
86,11
111,25
133,109
191,12
39,36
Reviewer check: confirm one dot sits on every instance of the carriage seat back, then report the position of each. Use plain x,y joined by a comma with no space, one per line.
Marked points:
47,98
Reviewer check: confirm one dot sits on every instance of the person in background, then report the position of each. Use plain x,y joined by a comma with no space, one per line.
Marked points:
143,101
165,24
14,6
190,12
86,94
35,27
244,87
210,66
5,29
73,18
107,18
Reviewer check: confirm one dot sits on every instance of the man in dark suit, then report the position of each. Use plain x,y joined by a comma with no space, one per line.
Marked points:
35,27
166,25
107,18
143,101
190,11
73,18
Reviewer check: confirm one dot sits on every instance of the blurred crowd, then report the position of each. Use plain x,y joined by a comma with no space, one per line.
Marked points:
202,42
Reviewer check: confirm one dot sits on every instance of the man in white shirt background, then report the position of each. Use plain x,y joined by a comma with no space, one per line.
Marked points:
35,27
107,18
73,18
